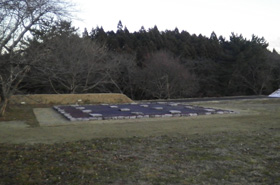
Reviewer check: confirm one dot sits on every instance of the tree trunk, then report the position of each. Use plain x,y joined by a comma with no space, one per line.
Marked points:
3,106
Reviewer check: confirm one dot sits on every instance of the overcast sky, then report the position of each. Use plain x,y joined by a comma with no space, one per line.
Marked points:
246,17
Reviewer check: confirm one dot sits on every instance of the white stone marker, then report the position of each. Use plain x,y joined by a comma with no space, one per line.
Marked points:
167,115
137,113
193,114
175,112
125,109
96,115
80,108
189,107
210,110
158,108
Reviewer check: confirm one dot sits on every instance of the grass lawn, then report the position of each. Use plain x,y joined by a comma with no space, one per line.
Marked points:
22,113
240,148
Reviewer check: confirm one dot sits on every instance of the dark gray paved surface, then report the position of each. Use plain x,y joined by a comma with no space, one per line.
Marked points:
133,111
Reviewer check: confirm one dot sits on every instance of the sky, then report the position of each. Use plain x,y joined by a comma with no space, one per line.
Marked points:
246,17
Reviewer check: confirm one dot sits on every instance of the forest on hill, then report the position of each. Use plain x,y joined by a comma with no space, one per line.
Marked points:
147,64
40,52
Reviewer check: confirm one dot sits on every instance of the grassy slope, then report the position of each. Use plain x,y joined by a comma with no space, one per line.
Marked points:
94,98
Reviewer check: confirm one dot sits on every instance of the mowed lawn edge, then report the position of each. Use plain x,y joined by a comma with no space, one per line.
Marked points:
250,115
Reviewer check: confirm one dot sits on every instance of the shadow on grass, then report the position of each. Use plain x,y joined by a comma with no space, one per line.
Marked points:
22,113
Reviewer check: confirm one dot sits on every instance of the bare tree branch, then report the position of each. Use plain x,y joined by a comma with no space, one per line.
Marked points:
17,18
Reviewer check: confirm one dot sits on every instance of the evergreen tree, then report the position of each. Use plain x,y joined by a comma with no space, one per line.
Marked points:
142,30
85,33
99,35
213,36
120,26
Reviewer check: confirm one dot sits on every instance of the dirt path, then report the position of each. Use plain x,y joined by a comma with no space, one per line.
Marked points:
253,115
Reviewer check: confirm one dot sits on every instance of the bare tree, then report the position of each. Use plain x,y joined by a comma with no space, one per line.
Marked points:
164,78
257,76
121,70
70,64
17,18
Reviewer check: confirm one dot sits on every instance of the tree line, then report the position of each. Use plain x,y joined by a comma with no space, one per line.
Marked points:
221,67
146,64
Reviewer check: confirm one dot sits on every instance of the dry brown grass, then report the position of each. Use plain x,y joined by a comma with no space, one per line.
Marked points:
57,99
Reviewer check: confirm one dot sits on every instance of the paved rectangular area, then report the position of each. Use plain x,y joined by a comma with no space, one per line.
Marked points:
133,111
